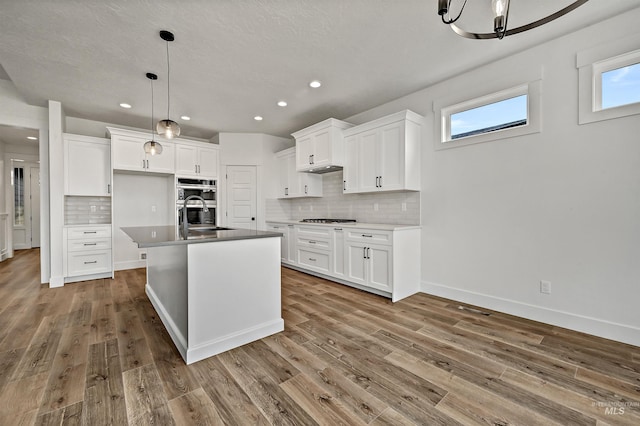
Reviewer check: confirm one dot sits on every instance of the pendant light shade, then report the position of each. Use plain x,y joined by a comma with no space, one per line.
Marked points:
167,127
152,147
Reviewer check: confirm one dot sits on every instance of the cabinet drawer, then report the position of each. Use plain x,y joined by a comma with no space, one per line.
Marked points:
316,244
314,260
89,232
313,232
88,262
370,236
89,244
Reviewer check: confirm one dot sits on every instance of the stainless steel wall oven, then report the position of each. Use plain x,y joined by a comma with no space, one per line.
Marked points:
205,189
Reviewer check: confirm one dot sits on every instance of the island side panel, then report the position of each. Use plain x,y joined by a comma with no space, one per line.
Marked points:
167,290
234,294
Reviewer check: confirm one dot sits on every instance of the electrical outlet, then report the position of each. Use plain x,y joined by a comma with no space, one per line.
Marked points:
545,287
375,207
153,209
93,209
404,207
143,256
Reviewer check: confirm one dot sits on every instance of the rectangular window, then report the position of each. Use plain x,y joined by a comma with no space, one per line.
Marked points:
496,116
620,86
609,81
508,113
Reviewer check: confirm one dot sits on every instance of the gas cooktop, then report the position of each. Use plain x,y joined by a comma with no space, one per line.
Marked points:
328,220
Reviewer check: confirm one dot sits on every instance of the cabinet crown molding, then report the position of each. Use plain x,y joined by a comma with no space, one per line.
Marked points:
329,122
406,115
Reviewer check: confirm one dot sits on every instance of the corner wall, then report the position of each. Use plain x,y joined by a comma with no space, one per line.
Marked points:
561,205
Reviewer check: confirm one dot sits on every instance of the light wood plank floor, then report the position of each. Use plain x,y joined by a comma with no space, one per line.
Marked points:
95,353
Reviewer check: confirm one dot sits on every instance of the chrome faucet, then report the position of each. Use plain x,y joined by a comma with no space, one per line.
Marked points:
185,223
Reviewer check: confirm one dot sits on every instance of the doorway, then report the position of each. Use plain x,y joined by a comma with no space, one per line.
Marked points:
25,181
241,197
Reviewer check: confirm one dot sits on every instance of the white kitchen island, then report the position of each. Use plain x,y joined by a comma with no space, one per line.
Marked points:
215,292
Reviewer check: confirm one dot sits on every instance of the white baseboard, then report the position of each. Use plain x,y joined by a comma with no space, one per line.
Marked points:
129,264
178,339
597,327
225,343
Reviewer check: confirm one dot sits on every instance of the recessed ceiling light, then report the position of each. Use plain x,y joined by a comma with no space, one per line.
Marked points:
185,117
315,84
257,118
125,105
282,103
32,138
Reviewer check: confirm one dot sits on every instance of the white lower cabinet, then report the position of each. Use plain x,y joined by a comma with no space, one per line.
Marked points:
369,265
284,244
337,239
87,252
385,262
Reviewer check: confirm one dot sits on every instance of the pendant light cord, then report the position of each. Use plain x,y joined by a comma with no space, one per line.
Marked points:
168,91
153,134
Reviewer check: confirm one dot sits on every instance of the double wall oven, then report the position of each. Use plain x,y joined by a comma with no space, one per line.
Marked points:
196,216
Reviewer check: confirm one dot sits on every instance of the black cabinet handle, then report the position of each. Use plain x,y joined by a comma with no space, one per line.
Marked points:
93,261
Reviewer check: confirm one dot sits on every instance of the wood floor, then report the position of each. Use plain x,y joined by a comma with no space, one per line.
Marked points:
95,353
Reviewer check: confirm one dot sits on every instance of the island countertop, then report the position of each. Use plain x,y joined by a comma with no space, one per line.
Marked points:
156,236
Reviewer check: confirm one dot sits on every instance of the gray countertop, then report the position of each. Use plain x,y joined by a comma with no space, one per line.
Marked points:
156,236
377,226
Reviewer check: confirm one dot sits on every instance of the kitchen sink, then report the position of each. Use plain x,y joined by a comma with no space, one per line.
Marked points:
208,229
205,232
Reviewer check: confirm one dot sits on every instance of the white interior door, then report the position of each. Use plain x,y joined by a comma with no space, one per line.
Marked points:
241,197
34,174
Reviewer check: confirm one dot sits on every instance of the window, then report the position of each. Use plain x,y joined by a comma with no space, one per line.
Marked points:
620,86
504,114
18,196
609,86
496,116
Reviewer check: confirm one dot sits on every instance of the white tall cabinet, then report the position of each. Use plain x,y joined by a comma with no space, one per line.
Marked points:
87,239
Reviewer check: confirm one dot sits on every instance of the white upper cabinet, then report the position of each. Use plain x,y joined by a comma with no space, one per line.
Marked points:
320,146
196,160
292,183
127,152
87,166
383,155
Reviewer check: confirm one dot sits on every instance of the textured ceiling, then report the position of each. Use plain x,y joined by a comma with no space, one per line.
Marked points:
233,60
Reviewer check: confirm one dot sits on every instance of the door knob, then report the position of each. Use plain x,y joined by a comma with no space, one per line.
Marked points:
253,218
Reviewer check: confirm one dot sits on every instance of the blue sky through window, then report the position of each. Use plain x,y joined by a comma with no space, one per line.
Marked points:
487,118
621,86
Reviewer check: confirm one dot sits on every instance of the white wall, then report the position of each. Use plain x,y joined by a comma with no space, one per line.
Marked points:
561,205
251,149
139,200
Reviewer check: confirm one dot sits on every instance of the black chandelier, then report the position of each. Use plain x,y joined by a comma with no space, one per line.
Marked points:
500,10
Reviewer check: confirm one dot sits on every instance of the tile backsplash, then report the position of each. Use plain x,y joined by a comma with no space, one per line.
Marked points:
87,210
401,208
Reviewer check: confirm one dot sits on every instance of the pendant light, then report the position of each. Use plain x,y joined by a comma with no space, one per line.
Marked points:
500,9
152,147
167,127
